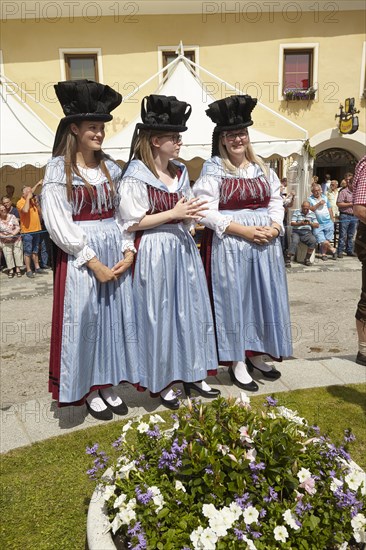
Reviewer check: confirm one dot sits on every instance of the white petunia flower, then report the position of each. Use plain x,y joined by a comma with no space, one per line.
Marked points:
228,516
208,539
179,486
355,479
290,519
244,435
108,491
280,533
303,475
358,522
250,515
218,526
291,415
224,449
195,537
244,399
127,426
127,515
250,543
251,455
155,419
124,470
116,523
335,484
120,501
343,546
236,510
358,525
209,511
158,499
143,427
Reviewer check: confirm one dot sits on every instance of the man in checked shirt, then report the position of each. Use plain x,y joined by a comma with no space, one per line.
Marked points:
359,210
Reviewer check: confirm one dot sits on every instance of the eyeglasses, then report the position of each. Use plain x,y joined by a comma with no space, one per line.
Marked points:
240,135
175,138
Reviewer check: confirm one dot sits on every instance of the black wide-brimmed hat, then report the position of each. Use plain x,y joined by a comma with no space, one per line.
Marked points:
161,113
84,100
164,113
231,113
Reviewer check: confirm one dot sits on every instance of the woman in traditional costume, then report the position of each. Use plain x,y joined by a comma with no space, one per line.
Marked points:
93,323
240,247
175,331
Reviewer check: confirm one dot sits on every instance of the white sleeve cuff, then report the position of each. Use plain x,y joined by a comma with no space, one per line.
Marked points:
84,256
222,225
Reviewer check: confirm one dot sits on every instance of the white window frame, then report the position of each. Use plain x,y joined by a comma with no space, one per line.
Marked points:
97,51
298,46
187,47
363,71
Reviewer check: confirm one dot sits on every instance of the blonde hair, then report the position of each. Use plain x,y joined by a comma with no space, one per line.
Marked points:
249,155
142,150
67,148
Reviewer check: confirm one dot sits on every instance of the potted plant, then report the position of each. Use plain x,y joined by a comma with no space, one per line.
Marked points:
299,93
224,476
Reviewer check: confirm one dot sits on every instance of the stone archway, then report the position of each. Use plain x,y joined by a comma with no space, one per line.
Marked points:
334,161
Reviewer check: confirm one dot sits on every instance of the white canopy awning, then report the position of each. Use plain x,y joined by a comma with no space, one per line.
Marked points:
24,137
183,83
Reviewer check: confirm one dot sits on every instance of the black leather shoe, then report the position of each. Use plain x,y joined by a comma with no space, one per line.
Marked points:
210,394
172,404
120,409
106,414
361,359
252,386
272,374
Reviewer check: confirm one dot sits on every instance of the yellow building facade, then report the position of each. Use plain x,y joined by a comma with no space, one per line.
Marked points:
255,46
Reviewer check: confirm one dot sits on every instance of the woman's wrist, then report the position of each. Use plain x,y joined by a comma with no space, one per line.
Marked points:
277,229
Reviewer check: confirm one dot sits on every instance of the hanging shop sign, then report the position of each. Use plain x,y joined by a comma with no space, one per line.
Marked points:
348,121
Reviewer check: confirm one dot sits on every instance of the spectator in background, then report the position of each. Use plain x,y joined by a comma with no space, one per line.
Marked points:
347,220
342,185
326,184
11,242
332,196
314,181
30,226
303,222
9,207
324,234
9,193
359,209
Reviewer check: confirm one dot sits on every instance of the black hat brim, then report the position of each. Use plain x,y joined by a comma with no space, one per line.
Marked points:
161,127
67,120
232,127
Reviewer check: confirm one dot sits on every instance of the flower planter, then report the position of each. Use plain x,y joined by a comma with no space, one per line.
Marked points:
154,492
97,523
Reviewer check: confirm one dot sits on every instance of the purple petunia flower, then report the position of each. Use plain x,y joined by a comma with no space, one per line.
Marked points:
271,401
272,495
92,450
144,498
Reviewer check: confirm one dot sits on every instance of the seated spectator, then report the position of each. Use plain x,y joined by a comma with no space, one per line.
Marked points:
11,242
332,196
9,207
303,222
319,204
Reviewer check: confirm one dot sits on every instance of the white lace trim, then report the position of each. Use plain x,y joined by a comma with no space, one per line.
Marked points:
129,223
127,245
84,256
222,224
